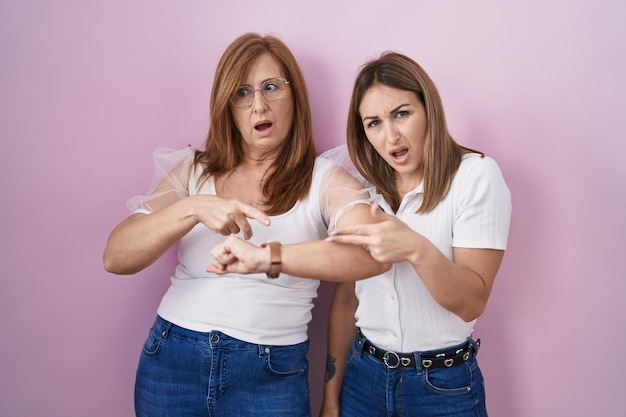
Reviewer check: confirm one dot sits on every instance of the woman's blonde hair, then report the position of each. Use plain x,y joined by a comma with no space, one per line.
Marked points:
291,174
442,155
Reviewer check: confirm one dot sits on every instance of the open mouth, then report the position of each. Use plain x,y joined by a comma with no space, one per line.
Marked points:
263,126
398,154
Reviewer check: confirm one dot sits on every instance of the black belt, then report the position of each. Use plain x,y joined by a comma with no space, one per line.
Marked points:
444,359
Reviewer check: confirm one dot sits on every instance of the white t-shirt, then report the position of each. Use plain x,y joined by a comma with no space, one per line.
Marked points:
249,307
396,311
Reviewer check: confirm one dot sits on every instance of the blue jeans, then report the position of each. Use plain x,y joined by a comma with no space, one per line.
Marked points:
187,373
371,389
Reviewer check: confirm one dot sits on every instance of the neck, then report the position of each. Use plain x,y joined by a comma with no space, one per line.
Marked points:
407,183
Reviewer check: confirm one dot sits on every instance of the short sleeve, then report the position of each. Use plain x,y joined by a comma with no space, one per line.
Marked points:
341,188
484,206
170,182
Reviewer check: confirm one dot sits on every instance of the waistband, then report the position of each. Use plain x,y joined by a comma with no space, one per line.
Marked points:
215,338
445,358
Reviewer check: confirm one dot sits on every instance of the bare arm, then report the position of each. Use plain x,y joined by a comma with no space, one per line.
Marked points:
341,332
324,261
141,239
315,259
461,285
320,259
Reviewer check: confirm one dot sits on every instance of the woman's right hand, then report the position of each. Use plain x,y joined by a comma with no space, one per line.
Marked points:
141,239
388,240
225,216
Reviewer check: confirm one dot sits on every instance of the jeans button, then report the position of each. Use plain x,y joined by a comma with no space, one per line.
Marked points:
215,338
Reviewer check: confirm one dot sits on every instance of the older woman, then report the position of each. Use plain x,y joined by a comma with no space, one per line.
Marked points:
234,344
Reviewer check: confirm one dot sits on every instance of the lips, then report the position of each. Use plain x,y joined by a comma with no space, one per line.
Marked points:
263,125
399,153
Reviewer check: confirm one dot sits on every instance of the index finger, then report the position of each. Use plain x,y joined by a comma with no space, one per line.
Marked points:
254,213
358,234
251,213
350,239
364,229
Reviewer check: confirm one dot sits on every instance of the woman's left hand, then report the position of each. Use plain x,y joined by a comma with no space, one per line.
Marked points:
237,255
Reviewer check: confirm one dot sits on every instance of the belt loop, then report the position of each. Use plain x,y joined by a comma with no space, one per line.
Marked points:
475,345
359,343
165,327
418,364
263,350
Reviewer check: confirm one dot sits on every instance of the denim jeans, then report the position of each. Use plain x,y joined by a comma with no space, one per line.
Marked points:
371,389
187,373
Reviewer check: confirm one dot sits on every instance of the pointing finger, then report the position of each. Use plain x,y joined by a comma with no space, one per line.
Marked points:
254,213
352,239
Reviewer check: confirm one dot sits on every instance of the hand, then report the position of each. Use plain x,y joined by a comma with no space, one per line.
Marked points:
237,255
227,217
388,240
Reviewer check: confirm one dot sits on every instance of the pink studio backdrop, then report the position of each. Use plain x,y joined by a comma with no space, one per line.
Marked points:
89,89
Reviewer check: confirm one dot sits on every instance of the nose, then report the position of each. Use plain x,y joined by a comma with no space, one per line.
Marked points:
392,132
259,102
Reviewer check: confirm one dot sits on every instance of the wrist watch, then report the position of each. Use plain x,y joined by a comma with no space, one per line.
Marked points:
275,262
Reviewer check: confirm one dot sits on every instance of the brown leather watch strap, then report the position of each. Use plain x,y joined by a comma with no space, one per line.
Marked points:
275,265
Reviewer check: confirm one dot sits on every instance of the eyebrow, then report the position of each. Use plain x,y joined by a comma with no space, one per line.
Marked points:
262,82
392,111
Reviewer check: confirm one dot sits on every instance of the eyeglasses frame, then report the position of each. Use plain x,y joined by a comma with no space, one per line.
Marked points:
286,81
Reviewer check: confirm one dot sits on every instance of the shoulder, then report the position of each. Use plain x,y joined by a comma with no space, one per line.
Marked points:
328,161
474,165
338,161
479,176
172,156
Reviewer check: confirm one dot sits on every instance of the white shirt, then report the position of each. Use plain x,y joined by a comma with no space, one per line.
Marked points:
396,311
249,307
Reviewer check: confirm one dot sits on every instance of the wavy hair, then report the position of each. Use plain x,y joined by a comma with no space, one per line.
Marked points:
291,174
442,155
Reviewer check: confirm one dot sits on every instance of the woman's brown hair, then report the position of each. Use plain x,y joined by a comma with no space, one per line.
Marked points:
291,174
442,155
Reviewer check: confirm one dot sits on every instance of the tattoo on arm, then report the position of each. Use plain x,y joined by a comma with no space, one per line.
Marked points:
330,368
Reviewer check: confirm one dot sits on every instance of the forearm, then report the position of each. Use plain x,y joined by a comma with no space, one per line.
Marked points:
462,285
319,259
141,239
341,333
329,261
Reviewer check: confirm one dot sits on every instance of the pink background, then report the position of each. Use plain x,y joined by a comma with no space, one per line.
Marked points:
89,88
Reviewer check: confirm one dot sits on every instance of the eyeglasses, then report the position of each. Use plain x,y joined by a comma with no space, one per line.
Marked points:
272,89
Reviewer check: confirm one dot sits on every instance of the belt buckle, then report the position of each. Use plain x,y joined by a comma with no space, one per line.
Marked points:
386,359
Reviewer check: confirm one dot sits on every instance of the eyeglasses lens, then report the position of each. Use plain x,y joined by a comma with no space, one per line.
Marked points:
273,89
